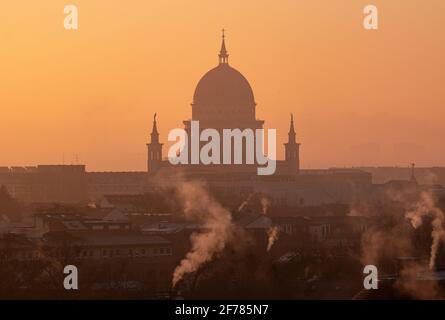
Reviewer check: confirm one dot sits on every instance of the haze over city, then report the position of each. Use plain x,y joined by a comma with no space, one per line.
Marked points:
200,150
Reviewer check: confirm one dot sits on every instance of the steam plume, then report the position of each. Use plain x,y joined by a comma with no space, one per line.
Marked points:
245,202
426,207
216,220
396,241
272,234
265,204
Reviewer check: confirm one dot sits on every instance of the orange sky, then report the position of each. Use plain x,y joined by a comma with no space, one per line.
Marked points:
359,97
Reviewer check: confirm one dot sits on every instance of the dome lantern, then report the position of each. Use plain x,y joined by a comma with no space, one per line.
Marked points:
223,55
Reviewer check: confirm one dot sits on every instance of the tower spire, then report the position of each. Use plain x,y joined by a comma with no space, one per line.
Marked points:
292,134
223,55
154,149
154,132
292,129
292,149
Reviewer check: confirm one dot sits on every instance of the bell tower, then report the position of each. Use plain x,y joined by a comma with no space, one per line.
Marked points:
154,149
292,149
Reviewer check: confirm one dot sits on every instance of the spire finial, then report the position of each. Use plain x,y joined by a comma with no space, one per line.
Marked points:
291,128
154,132
155,127
223,56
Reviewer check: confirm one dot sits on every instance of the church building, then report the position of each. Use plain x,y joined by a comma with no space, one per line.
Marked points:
224,99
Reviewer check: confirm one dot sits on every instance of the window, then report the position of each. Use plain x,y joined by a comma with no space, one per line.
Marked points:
288,228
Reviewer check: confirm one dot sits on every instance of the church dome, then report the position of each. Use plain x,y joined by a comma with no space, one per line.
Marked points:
223,93
223,86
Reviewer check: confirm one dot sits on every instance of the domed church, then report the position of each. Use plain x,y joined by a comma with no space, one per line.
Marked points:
224,99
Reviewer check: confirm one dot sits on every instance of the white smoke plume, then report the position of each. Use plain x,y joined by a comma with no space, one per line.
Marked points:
426,207
397,241
216,220
272,235
265,204
272,232
245,202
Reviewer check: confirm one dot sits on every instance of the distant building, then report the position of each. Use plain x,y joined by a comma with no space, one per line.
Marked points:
46,183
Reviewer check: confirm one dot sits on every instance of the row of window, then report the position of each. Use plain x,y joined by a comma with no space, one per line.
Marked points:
110,227
104,253
110,253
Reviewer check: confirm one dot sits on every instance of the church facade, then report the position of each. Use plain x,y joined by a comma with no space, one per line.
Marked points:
223,99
